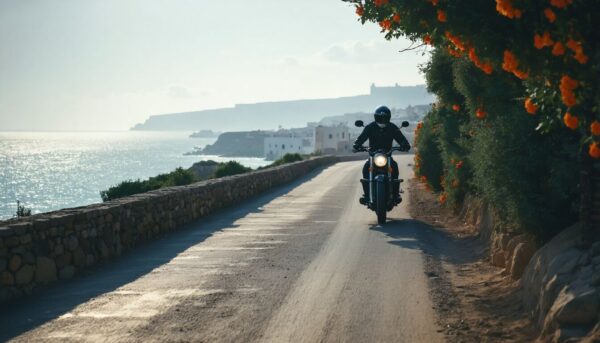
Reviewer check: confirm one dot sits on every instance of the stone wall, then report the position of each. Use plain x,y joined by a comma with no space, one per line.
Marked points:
560,281
43,248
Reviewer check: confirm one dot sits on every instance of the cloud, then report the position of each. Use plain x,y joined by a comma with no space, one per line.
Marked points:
289,62
180,92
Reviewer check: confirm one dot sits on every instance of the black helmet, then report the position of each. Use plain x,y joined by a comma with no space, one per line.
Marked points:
382,115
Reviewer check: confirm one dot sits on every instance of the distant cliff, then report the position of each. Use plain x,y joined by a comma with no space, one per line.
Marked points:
294,113
238,144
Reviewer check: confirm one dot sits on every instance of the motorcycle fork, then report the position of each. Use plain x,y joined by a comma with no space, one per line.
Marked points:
389,173
371,183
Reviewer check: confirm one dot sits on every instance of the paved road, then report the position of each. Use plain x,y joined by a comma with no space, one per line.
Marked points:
303,263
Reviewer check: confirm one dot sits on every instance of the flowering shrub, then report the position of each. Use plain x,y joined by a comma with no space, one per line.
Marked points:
528,177
428,163
550,46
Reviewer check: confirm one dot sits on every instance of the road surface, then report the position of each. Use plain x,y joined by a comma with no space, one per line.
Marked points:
302,263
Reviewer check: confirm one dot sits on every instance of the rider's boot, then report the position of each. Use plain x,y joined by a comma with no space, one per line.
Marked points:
364,200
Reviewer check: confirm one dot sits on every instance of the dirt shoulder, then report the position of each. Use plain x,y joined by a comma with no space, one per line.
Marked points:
473,300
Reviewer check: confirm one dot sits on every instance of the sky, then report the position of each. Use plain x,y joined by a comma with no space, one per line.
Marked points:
101,65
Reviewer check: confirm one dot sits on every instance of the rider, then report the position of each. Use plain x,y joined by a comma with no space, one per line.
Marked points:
381,134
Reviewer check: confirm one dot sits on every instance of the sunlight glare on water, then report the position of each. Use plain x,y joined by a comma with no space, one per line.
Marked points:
52,170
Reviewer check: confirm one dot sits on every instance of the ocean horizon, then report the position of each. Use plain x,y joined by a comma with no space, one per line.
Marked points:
52,170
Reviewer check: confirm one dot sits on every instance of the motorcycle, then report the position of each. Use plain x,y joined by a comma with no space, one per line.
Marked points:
380,180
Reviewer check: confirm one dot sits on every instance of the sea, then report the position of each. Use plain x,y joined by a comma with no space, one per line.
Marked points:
48,171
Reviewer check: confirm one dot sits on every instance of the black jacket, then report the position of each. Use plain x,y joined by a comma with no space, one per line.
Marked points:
382,138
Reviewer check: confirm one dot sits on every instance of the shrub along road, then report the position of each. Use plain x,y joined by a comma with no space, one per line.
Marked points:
304,262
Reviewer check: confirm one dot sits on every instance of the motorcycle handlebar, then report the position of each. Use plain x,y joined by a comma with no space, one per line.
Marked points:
364,148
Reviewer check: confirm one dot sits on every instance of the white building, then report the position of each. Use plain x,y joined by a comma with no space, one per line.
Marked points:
277,146
333,139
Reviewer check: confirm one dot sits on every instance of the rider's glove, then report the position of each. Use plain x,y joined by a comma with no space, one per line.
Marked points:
356,148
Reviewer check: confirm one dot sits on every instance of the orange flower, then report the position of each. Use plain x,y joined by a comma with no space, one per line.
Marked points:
560,3
571,121
594,150
486,67
530,107
480,113
506,8
396,18
441,16
542,41
379,3
567,85
456,107
455,40
511,64
521,74
581,57
386,24
510,61
427,39
550,15
574,45
577,48
453,52
443,198
595,128
360,11
558,49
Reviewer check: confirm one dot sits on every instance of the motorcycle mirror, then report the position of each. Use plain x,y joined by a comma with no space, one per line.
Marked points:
359,123
405,123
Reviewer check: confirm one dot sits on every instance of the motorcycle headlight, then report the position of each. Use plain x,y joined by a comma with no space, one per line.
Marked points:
380,160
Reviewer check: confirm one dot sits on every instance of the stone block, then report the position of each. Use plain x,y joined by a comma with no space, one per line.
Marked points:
564,263
551,290
12,241
5,232
3,264
90,260
498,259
25,239
523,253
24,275
59,249
45,270
72,243
78,257
104,252
28,257
20,228
579,307
7,278
15,263
66,272
64,260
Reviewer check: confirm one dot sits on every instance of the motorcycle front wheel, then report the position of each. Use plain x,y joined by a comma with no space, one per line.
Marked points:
381,208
